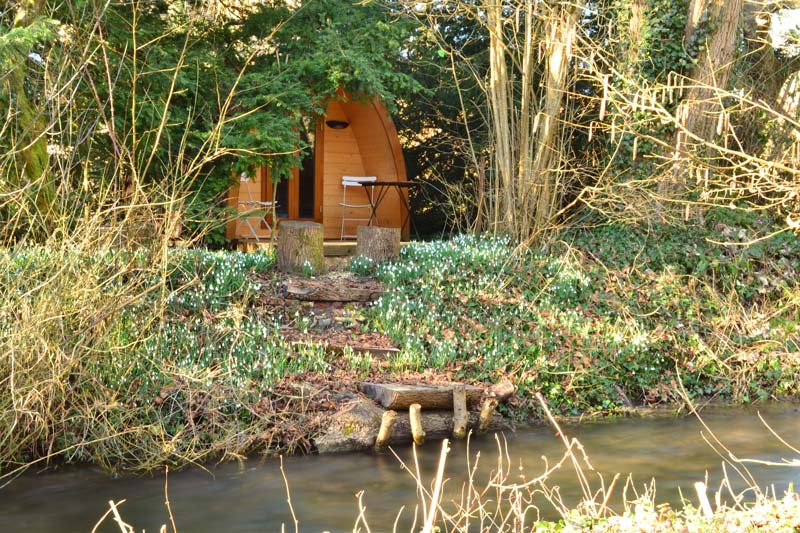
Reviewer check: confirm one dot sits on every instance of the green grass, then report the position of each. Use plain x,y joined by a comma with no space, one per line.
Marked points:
131,360
614,306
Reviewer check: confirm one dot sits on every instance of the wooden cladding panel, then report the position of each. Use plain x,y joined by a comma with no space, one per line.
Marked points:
380,156
377,158
341,158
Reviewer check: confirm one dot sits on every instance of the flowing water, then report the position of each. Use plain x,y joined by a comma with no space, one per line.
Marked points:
252,496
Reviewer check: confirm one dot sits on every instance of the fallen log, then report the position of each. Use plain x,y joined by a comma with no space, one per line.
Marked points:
503,390
356,428
439,425
400,397
328,291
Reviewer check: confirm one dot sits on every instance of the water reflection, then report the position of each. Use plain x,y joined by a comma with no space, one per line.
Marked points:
252,497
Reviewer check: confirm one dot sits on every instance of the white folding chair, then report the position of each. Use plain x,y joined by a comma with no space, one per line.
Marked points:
360,195
252,208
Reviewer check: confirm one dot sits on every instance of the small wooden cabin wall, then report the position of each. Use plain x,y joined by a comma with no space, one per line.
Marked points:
367,147
340,157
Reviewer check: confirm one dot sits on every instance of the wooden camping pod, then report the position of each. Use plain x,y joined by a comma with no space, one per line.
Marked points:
362,142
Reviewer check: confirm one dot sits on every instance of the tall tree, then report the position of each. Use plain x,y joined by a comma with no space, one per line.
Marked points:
21,92
526,83
712,29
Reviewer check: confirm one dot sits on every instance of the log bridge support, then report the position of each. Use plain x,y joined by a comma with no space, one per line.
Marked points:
432,409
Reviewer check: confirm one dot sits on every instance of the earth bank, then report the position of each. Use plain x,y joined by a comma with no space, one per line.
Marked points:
132,360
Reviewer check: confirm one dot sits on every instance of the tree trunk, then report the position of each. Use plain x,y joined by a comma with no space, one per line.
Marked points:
546,173
33,161
636,20
699,112
378,244
356,427
300,247
501,106
714,62
526,110
780,87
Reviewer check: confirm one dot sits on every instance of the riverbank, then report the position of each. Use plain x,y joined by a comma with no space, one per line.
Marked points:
136,359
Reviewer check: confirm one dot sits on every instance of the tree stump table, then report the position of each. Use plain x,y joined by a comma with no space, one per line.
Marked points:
378,244
300,244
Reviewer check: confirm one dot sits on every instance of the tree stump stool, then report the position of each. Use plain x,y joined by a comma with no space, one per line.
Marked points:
378,244
300,247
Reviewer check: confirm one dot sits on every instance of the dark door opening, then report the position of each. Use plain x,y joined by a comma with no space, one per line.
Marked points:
282,199
306,174
298,197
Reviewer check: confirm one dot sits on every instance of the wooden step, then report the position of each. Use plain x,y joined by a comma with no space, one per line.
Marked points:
373,351
329,248
396,396
331,290
339,248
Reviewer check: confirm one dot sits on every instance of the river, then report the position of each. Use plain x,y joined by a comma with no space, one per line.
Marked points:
251,496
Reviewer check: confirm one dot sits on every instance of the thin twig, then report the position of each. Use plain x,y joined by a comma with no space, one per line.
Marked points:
437,488
289,498
166,499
